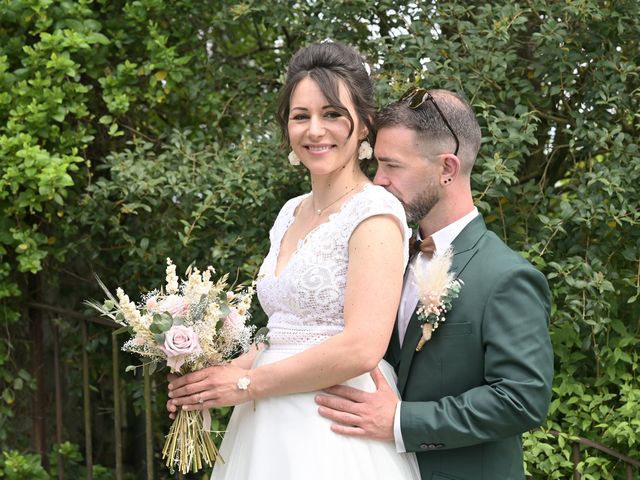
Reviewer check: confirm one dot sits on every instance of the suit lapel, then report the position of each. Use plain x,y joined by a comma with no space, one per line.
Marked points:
464,245
409,344
393,352
464,248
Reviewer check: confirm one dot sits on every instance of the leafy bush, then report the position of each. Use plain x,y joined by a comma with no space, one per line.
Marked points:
16,466
131,131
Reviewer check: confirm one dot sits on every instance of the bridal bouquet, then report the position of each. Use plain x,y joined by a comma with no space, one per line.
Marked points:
437,288
187,325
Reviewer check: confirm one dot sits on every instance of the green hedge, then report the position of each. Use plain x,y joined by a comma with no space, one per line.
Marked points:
135,130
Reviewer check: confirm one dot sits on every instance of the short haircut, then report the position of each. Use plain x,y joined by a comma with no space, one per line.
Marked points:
427,122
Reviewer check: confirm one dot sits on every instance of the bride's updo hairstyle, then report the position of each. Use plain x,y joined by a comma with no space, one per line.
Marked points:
327,64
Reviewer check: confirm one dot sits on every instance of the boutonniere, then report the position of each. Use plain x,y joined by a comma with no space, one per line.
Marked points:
437,288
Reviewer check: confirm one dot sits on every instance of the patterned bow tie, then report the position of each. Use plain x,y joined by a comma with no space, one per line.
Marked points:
426,246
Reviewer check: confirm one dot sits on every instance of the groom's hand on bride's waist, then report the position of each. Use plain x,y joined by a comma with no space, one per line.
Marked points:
359,413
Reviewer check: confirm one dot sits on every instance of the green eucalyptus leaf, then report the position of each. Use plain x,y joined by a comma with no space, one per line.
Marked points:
224,310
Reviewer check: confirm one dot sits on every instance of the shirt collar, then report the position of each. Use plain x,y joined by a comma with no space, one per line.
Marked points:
444,237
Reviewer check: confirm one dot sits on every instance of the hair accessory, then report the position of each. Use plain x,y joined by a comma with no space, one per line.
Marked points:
365,150
293,158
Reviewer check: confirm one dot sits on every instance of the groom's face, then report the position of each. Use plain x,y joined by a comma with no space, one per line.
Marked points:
405,172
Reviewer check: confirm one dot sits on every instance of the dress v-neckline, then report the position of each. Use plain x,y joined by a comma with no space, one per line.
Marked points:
304,240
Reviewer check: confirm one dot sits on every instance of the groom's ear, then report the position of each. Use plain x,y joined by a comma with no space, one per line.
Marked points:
450,168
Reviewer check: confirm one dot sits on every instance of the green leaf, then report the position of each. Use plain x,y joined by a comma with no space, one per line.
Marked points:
161,323
224,310
8,396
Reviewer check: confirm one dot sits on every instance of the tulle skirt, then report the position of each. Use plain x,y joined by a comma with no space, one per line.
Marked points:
284,438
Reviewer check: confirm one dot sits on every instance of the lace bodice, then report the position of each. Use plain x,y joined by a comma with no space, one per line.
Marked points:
305,303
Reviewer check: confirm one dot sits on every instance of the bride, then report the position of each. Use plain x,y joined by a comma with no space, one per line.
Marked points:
330,285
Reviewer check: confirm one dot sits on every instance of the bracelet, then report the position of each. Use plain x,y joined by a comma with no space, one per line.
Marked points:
244,382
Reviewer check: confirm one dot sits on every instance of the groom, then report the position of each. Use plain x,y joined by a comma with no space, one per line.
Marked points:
485,376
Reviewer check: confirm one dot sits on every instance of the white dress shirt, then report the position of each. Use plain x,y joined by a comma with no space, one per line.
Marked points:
409,301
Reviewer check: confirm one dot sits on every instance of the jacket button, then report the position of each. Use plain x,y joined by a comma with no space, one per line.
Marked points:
428,446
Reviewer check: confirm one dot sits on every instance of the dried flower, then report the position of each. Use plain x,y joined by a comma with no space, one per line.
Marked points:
438,287
172,278
182,329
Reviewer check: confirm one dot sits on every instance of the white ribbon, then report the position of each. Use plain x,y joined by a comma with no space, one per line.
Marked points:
206,420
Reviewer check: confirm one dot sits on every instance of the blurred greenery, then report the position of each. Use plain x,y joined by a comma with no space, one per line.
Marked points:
135,130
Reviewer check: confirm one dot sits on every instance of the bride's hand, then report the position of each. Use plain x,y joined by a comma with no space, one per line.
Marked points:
210,387
171,408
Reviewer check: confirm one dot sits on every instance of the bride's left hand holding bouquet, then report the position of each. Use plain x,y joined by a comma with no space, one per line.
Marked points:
187,325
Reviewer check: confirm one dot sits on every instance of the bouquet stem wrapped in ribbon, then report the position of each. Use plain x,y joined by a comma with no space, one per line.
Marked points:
187,325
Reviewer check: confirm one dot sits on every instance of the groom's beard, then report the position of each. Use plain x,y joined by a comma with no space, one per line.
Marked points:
419,207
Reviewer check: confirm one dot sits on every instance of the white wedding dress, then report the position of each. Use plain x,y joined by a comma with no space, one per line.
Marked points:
284,437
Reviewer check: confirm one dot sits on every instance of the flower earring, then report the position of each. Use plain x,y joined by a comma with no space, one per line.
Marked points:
365,150
293,158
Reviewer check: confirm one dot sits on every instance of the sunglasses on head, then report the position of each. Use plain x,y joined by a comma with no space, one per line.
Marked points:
416,97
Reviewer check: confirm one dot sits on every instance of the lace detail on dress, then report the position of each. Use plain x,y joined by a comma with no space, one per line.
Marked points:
305,303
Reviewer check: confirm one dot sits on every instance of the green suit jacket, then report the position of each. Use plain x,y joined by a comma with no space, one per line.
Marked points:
485,376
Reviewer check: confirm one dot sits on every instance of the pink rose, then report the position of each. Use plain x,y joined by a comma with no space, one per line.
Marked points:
175,305
234,320
179,341
152,304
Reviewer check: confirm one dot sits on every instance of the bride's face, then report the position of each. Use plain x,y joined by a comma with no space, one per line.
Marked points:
319,133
